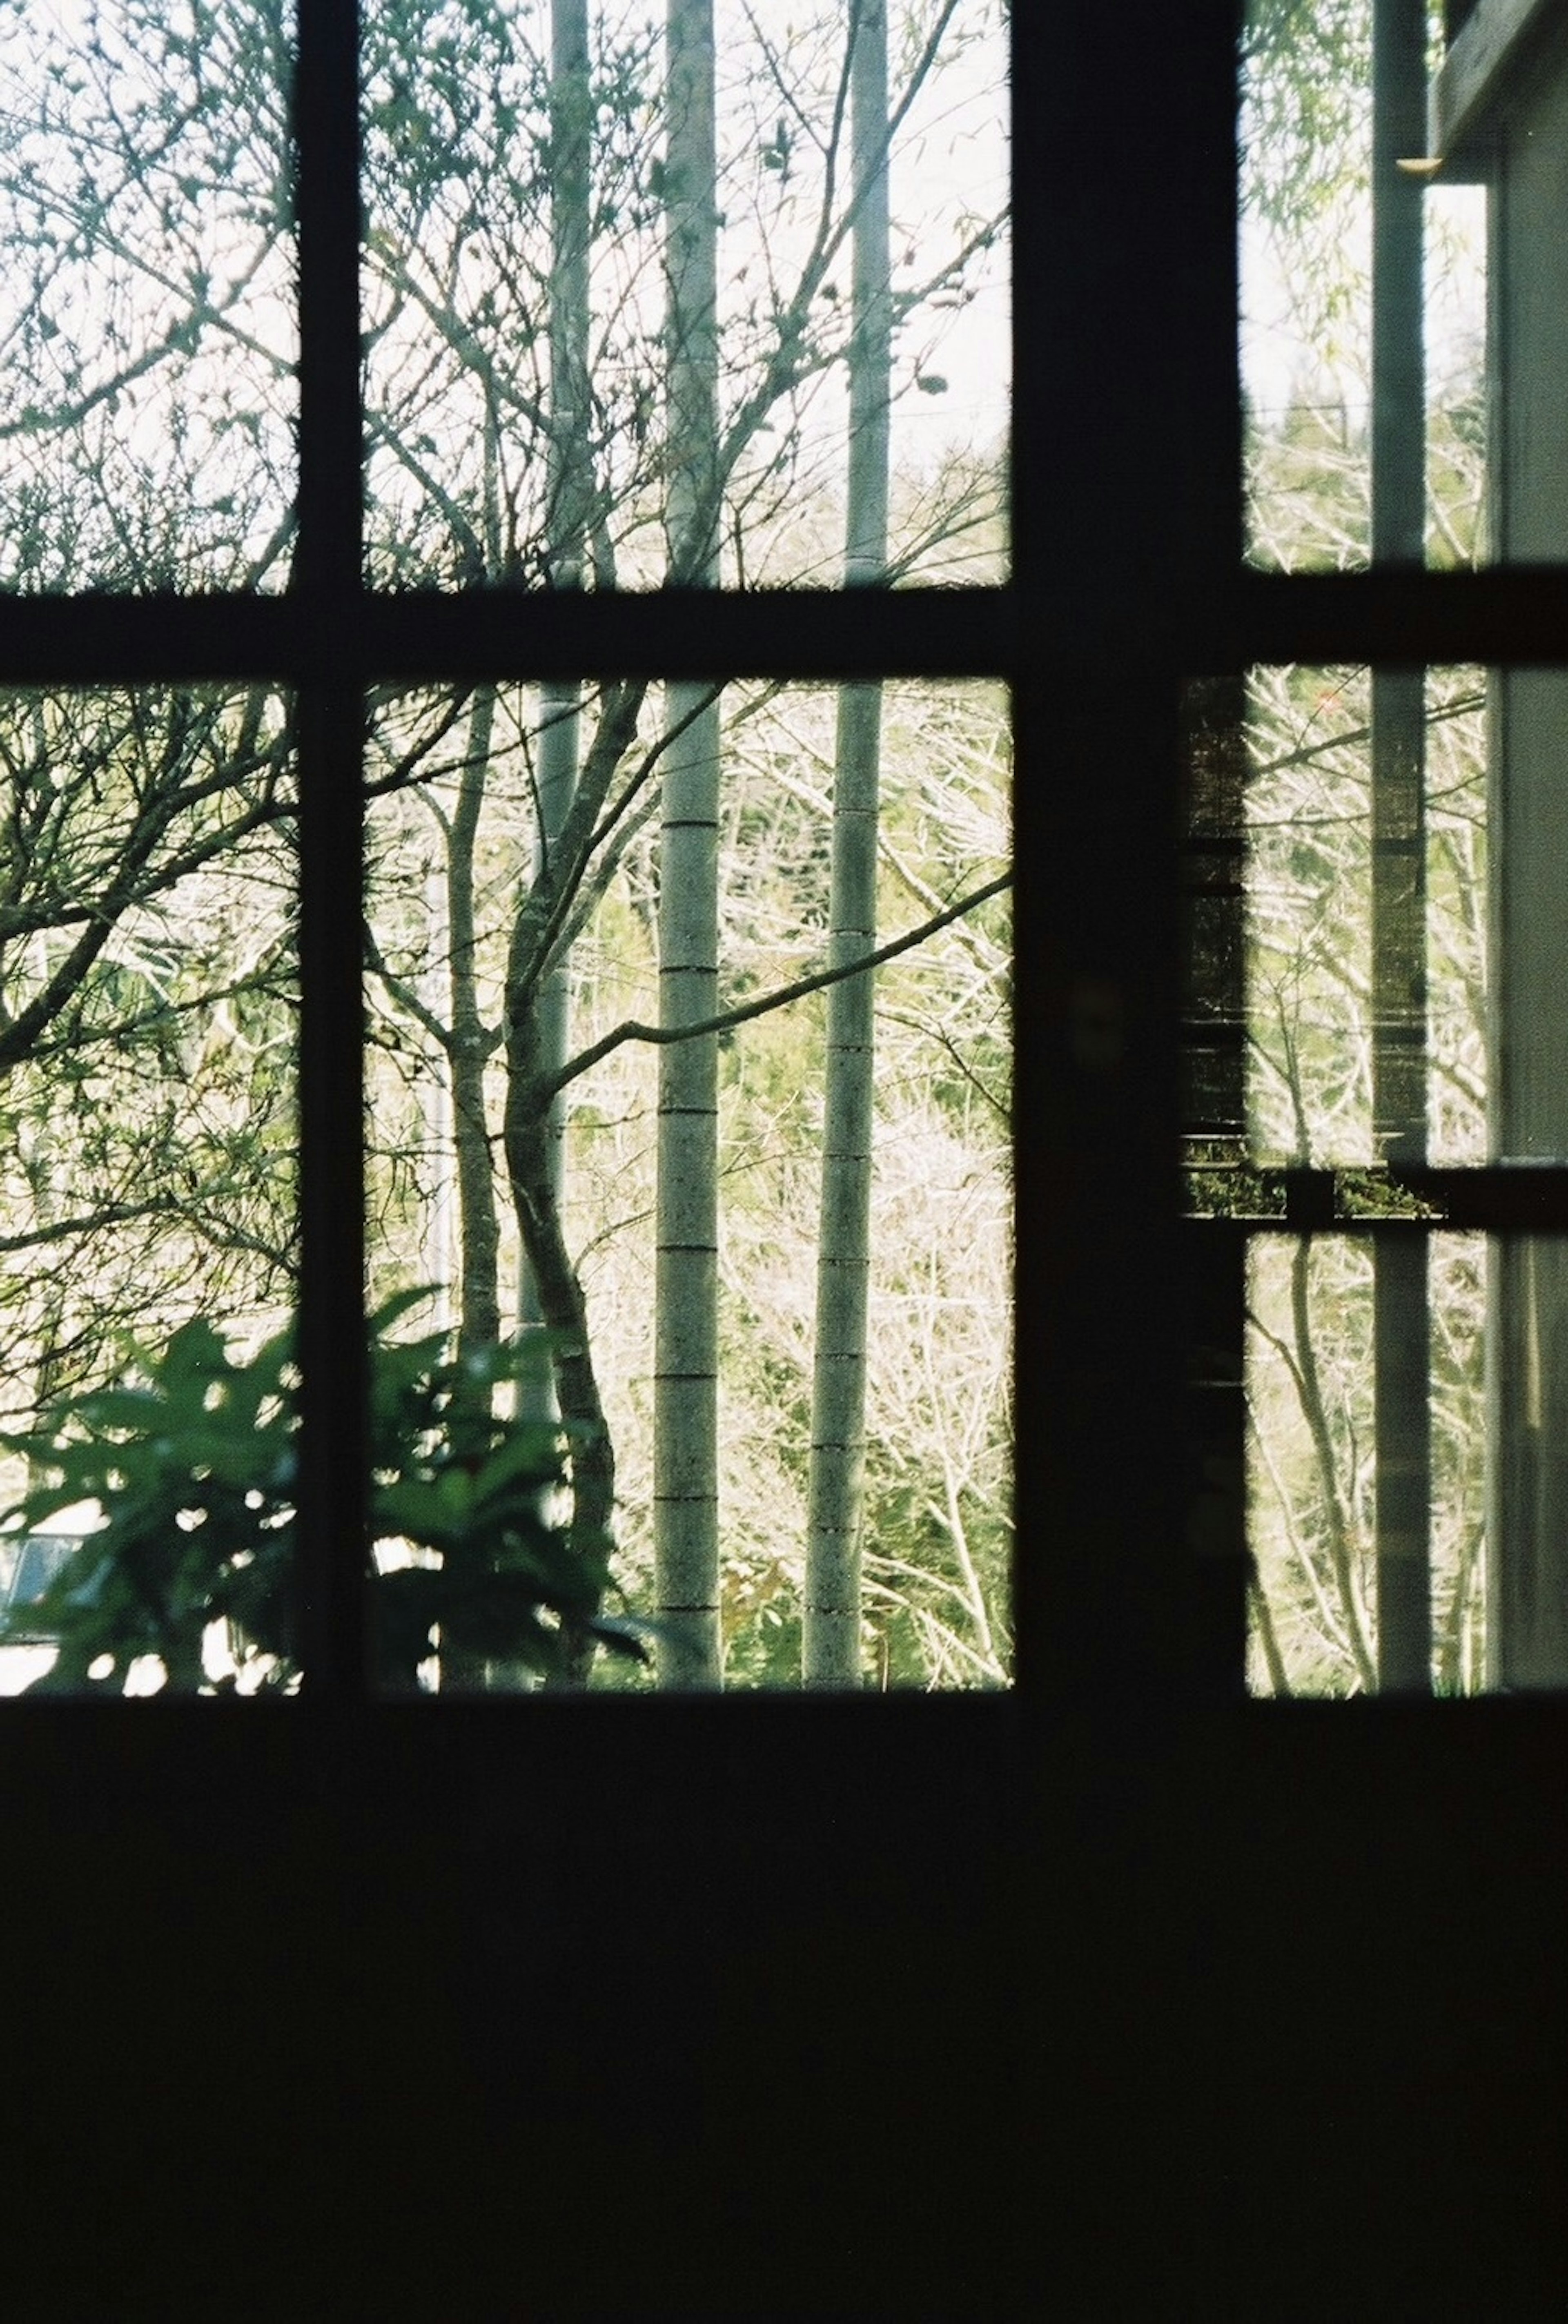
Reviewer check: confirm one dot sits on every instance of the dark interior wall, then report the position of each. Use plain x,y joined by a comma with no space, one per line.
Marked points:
843,2011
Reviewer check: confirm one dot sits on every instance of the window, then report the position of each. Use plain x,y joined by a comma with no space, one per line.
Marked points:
1376,1028
1270,1989
339,626
603,430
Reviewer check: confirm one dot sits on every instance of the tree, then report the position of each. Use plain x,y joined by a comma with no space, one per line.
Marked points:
146,1013
571,195
685,1292
831,1644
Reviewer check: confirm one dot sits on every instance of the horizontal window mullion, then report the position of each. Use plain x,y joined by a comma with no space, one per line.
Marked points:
1497,1198
323,636
1395,618
323,633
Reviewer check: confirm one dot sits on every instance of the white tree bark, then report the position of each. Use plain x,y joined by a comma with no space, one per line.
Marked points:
685,1361
831,1626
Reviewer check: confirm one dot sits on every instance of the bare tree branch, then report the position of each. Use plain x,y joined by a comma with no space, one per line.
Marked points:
726,1021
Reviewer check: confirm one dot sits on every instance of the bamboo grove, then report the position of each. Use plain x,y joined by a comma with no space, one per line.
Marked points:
647,300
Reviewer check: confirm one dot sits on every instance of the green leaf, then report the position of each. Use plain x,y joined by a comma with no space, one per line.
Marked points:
187,1442
531,1449
392,1311
134,1409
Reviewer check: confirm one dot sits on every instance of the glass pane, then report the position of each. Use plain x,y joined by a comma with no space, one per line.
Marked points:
643,1259
1529,1377
1530,819
554,399
1307,293
148,1012
1340,916
146,317
1319,1586
1378,926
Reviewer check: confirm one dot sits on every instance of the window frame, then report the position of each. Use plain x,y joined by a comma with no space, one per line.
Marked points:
1127,1983
1127,578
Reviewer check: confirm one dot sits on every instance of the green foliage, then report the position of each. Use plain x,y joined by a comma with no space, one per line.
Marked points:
1307,66
193,1469
193,1465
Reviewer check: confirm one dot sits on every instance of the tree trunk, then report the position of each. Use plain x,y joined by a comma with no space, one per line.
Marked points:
531,1085
569,487
831,1630
478,1228
530,1168
686,1359
467,1046
550,1299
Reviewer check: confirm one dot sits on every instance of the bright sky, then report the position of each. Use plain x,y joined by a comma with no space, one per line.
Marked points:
952,386
1279,359
950,157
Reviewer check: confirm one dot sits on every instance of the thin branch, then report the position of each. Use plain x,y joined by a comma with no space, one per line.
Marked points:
1278,1682
407,998
631,1030
1351,737
1333,1629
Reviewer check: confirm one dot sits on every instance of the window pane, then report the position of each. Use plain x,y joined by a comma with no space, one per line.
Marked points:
678,1191
1307,291
1326,1471
1312,1461
1339,915
548,402
146,419
148,1011
1378,928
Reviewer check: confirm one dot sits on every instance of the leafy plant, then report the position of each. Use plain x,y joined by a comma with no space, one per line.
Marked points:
193,1467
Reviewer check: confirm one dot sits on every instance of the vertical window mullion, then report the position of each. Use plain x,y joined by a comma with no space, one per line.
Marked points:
328,562
327,585
1214,1119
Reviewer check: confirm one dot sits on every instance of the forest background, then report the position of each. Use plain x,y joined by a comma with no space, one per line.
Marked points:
627,320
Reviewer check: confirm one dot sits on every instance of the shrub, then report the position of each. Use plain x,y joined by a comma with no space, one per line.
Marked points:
192,1460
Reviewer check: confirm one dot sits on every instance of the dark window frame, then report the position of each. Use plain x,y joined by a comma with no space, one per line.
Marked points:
1119,1985
1127,578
